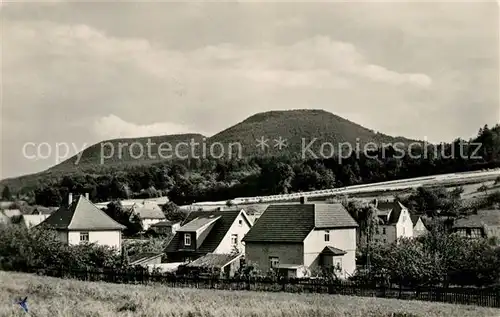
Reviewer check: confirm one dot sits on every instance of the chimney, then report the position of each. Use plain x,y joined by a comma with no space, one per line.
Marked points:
303,200
70,198
87,196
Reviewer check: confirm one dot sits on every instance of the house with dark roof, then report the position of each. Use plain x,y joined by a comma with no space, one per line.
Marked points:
419,228
81,221
394,221
209,232
291,237
149,213
483,224
166,227
224,265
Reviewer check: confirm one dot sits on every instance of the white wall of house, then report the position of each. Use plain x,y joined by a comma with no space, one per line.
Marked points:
419,229
146,223
404,227
344,239
108,238
175,227
240,227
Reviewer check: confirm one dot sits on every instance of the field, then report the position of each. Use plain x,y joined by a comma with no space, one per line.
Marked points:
56,298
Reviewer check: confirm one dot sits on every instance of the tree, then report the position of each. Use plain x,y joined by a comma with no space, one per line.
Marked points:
497,180
126,217
6,194
48,196
173,212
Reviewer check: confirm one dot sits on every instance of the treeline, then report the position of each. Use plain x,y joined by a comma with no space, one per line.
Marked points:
194,180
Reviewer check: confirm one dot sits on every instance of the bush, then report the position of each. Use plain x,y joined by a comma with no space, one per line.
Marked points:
22,249
437,258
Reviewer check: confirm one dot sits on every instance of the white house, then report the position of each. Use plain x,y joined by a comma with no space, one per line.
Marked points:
149,213
214,232
394,221
483,224
31,221
419,228
81,221
298,239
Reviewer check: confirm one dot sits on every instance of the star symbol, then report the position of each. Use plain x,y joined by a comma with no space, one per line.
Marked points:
280,143
262,143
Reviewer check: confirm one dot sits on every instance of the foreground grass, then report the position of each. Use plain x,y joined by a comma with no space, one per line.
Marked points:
51,297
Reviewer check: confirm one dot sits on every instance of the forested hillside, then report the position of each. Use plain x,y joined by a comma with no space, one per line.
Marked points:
187,181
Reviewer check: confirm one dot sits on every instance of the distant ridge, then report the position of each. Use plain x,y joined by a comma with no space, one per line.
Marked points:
295,126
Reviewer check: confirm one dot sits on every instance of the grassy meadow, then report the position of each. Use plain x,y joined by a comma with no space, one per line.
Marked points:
51,297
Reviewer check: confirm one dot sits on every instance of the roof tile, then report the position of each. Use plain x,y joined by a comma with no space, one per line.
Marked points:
292,223
81,215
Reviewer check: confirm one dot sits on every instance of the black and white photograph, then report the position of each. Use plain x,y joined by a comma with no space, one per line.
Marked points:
250,158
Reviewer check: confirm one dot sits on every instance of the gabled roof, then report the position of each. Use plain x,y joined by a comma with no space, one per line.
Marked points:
212,260
291,223
389,211
199,223
216,234
329,250
166,223
148,212
81,215
141,257
414,219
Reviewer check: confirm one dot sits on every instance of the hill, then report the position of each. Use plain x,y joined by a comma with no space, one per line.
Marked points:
295,127
300,128
128,151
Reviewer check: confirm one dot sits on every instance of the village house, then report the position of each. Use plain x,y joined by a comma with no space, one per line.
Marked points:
10,216
298,239
82,222
166,227
210,238
484,224
30,221
149,213
419,228
394,221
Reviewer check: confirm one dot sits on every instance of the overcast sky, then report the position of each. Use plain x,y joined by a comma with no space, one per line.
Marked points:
84,72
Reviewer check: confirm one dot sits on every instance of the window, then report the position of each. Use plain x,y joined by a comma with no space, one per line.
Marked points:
383,231
84,236
377,231
240,222
338,265
327,235
275,261
234,239
404,218
385,240
187,239
187,259
404,230
468,231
